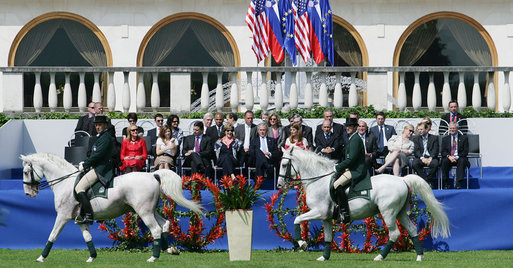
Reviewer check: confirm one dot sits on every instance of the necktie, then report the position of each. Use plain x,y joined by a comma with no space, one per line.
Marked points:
424,141
364,146
197,145
381,143
219,131
263,145
453,147
328,136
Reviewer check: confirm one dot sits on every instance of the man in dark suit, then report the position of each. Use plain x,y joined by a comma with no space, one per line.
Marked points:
453,116
425,151
370,144
85,122
264,153
154,132
305,130
382,133
454,153
245,133
327,143
215,132
198,149
336,128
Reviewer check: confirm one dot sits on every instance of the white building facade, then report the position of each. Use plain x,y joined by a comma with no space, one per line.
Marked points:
125,30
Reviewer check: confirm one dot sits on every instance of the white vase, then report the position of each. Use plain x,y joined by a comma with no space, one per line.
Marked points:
239,226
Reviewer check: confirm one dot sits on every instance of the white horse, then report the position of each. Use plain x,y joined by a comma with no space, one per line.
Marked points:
389,195
135,191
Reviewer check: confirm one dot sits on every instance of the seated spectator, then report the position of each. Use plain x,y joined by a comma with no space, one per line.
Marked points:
246,132
264,153
453,116
327,143
215,132
306,131
296,138
383,133
425,152
133,152
132,120
173,121
274,128
166,149
429,124
229,151
154,133
454,153
207,120
399,148
198,150
337,129
370,144
85,122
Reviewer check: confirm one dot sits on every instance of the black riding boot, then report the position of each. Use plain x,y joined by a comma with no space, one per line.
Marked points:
86,211
341,197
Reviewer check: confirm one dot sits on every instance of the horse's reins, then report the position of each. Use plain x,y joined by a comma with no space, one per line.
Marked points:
288,177
45,184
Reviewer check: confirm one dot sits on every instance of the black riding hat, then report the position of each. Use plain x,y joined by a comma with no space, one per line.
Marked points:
100,119
351,122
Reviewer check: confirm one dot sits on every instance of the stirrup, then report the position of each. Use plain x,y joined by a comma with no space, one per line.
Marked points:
84,220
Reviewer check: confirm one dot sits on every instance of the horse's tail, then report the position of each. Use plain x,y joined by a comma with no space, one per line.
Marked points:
171,185
435,208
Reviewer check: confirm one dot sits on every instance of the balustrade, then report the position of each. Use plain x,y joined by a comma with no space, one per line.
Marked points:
324,86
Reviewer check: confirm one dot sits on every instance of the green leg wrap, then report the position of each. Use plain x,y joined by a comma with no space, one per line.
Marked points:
418,245
156,248
163,242
327,250
47,249
387,248
297,232
92,249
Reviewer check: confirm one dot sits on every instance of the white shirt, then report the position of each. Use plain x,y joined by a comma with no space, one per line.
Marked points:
263,145
162,145
247,135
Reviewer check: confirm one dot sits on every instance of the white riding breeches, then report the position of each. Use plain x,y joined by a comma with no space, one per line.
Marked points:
86,181
343,180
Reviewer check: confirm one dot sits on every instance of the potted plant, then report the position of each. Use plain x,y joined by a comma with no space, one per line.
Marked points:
237,197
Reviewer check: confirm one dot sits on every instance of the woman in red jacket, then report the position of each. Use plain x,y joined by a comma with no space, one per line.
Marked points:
133,152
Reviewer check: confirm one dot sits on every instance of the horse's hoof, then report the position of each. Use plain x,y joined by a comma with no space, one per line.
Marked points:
378,258
321,258
419,257
152,259
91,259
40,259
302,244
173,251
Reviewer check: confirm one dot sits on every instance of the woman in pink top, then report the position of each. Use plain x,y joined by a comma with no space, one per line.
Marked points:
274,128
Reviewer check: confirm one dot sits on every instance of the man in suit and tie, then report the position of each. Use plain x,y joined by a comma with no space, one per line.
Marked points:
245,133
370,144
328,144
215,132
198,149
382,133
425,151
337,129
85,122
305,130
454,153
453,116
154,132
264,153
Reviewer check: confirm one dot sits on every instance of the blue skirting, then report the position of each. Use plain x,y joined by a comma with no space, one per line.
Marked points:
480,219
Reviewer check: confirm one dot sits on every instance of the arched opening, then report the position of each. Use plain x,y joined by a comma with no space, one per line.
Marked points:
187,39
59,39
445,39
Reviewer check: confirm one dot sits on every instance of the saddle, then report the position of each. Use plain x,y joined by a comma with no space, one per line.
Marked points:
97,190
351,193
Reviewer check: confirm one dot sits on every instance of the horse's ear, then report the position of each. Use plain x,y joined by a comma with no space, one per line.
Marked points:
23,157
291,149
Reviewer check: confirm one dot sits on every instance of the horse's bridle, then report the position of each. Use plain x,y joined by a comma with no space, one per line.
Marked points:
45,184
288,177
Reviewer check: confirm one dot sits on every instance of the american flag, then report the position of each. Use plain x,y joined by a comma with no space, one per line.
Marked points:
302,28
257,23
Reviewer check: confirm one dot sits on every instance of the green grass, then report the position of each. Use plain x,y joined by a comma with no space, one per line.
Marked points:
260,258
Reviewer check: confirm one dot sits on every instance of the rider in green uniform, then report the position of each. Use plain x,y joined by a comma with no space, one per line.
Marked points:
350,171
100,168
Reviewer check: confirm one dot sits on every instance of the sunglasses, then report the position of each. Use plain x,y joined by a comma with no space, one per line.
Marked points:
229,130
131,121
160,120
411,131
133,129
175,122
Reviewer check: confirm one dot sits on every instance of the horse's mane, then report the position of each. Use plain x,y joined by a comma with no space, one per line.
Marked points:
58,161
310,160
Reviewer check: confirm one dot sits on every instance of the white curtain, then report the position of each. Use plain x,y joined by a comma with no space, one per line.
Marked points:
164,41
469,39
214,42
418,43
86,42
346,47
35,41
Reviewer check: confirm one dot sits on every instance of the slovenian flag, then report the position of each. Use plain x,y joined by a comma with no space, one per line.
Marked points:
276,41
317,35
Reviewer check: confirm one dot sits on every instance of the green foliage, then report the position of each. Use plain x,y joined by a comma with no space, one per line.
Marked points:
238,193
